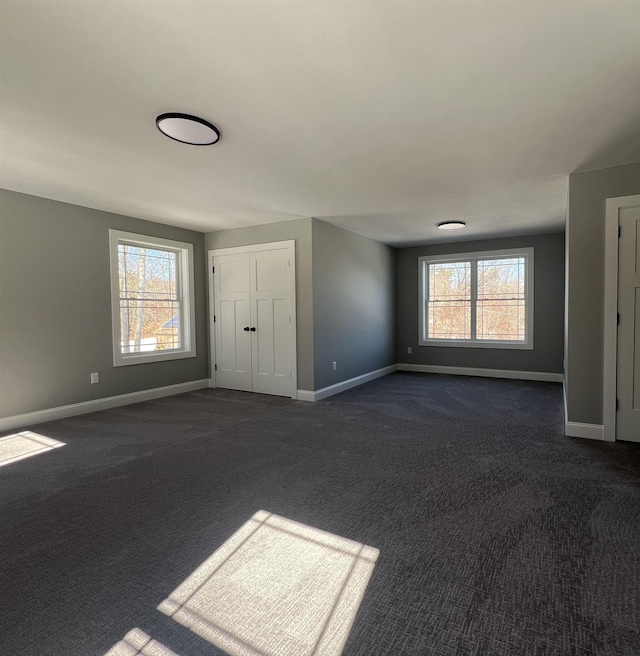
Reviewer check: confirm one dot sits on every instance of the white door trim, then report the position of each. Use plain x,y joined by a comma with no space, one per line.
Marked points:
256,248
609,371
212,336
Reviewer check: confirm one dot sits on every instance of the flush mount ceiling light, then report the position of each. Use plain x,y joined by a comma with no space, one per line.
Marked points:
187,129
451,225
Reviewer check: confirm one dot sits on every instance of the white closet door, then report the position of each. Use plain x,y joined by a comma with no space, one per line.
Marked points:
272,345
232,321
628,388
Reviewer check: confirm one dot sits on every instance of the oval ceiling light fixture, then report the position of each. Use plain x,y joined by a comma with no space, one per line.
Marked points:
451,225
187,129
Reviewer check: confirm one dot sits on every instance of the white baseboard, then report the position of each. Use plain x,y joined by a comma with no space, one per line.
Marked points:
61,412
588,431
578,429
487,373
318,395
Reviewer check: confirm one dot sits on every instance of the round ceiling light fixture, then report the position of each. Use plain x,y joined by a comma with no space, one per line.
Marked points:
451,225
187,129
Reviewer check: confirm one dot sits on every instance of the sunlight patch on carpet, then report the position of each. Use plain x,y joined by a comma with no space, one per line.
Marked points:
276,588
138,643
24,445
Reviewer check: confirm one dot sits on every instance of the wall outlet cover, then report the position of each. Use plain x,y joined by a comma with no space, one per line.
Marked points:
95,378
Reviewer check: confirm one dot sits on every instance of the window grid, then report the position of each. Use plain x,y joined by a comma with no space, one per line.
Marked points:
449,300
150,302
493,299
152,288
511,274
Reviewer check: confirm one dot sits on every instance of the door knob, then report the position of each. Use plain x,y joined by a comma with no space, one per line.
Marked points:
247,329
253,330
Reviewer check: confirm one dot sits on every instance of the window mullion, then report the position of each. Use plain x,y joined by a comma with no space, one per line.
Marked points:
474,297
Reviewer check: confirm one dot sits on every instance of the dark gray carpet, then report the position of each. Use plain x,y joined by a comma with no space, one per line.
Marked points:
497,534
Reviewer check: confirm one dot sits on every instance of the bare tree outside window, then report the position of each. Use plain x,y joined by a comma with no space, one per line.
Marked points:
450,300
500,308
149,299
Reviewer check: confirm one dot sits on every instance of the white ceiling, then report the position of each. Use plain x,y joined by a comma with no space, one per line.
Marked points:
381,117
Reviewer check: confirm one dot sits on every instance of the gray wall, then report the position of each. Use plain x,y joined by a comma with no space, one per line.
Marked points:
549,273
588,192
353,304
300,230
55,306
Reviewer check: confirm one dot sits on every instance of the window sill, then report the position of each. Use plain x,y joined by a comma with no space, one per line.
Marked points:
459,343
144,358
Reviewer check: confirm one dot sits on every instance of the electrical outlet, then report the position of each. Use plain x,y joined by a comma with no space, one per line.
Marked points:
409,350
335,366
95,378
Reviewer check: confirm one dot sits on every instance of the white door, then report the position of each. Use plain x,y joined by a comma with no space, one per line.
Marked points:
271,318
232,317
628,383
254,319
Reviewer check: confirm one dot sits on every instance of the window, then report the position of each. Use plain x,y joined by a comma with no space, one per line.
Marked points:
477,299
152,299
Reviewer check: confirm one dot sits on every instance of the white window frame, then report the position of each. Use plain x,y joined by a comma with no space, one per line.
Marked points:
185,278
423,263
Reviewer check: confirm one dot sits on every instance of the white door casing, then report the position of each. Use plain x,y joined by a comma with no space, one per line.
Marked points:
621,366
628,374
254,332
